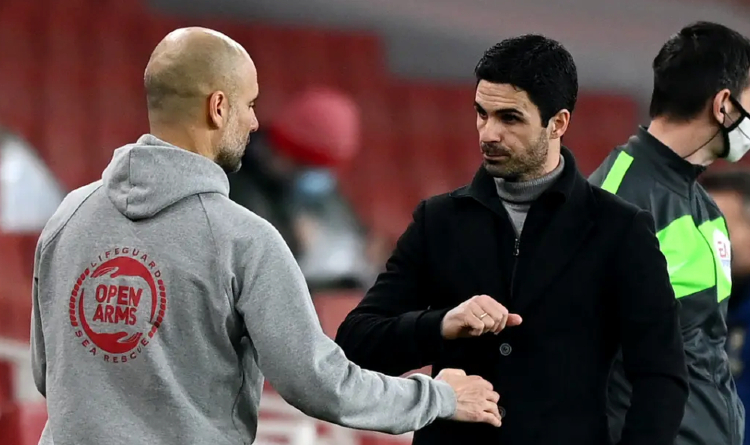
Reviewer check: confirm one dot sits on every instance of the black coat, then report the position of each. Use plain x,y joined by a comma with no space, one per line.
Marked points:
587,278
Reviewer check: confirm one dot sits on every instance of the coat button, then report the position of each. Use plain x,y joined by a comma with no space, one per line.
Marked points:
505,349
501,410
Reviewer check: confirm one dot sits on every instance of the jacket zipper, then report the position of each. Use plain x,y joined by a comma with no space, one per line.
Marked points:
731,407
516,253
693,203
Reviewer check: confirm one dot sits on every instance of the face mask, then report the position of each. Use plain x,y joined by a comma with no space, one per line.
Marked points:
314,184
737,135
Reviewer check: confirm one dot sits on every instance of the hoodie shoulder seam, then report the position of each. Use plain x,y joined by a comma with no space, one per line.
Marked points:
59,230
227,290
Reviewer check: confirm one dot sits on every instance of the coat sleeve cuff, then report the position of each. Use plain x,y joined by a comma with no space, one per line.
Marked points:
428,333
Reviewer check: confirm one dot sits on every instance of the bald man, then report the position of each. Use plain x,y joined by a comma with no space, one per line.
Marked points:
159,305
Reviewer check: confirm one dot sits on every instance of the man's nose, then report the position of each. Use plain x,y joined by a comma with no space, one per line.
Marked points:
255,124
491,133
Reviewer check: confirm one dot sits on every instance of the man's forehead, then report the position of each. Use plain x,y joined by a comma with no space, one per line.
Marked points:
501,95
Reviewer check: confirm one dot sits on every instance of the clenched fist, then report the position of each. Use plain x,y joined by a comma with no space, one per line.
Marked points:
476,316
476,401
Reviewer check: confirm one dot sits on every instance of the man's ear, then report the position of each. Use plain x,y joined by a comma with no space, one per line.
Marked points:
559,123
218,109
721,106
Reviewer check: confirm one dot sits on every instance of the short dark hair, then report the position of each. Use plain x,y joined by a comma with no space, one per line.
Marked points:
737,181
536,64
695,64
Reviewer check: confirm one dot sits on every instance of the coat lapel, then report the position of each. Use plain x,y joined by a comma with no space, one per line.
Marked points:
481,243
556,243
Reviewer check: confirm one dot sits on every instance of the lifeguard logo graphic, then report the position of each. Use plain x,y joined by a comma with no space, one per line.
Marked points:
118,304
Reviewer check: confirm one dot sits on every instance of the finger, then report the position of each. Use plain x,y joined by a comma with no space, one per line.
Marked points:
484,316
491,418
514,320
497,311
476,326
493,409
482,384
493,397
490,407
489,322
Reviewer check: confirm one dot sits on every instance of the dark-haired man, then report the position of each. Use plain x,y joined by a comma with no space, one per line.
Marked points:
698,114
562,272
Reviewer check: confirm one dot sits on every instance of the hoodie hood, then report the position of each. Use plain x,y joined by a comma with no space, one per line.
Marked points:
146,177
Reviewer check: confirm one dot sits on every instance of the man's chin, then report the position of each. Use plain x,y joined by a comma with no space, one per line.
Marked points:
494,170
499,172
233,168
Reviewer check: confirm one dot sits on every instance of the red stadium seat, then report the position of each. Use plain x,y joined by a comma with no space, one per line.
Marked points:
600,123
22,424
6,384
20,70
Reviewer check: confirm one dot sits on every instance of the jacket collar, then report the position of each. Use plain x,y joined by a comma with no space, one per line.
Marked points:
668,165
482,187
553,233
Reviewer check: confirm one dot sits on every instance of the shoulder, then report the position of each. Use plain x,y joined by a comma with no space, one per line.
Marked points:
447,202
233,220
619,216
237,230
65,211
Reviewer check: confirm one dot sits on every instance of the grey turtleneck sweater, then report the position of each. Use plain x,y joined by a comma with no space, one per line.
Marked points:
517,197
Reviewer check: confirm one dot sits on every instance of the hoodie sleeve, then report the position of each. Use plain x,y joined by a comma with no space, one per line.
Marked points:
38,355
307,368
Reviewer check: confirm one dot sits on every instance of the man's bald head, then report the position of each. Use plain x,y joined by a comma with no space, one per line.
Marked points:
201,88
187,66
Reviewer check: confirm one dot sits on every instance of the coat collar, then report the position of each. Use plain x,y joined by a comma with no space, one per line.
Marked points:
482,187
556,227
667,165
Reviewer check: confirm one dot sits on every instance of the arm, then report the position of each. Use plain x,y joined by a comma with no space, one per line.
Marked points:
392,330
38,355
307,368
652,345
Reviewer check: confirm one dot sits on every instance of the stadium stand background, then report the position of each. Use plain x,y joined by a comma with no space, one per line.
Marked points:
71,89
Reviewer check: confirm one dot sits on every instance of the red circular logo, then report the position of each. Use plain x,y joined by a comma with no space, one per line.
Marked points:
118,304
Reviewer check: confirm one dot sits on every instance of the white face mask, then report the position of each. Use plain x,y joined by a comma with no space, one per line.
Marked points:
737,135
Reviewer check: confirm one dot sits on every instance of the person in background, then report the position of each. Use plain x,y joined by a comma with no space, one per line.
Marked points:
731,192
698,115
159,305
288,176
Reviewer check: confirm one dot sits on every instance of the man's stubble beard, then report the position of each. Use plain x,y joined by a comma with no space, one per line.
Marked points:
232,148
523,167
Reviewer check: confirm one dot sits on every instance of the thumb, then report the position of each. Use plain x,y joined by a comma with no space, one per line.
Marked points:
514,320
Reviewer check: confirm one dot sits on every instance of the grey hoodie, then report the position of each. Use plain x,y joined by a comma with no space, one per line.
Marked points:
160,305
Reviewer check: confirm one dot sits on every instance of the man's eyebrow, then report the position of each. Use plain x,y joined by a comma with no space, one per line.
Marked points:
505,110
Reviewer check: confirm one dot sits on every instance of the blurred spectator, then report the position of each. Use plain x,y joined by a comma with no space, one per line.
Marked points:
288,178
731,191
29,193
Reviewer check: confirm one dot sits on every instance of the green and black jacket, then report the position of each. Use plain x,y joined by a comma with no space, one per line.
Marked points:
693,237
